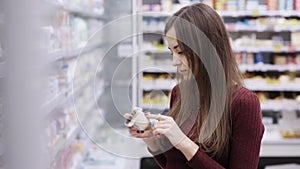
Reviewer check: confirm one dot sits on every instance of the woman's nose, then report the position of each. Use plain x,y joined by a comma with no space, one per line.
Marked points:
176,61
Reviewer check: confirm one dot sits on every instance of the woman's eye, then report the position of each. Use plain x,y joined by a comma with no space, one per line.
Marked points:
180,53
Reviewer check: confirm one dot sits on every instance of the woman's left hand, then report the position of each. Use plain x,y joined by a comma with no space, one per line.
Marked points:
166,125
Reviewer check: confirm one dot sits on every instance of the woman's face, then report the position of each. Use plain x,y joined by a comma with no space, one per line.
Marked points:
179,59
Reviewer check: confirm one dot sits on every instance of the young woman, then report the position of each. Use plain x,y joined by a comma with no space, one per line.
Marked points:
213,122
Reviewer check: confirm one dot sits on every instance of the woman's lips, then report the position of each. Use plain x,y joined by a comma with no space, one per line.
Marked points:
182,71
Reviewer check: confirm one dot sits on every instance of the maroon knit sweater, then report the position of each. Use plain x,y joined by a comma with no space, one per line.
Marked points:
247,132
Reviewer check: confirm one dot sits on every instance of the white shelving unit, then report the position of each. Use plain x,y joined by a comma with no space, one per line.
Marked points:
279,105
273,142
60,54
76,10
77,89
255,13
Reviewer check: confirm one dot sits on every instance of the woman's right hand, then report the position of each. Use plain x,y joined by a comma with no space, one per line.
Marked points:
147,133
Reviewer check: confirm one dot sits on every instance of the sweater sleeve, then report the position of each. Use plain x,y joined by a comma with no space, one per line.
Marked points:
247,131
159,158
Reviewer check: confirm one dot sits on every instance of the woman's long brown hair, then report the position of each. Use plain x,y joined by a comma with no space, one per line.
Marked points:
210,23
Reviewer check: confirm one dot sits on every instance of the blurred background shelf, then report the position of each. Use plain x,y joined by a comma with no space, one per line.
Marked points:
69,54
77,10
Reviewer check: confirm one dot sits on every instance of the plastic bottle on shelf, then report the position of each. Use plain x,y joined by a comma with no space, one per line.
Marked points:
289,5
296,5
259,58
281,4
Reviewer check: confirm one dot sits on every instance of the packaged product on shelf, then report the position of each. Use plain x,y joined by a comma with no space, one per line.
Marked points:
284,79
166,5
290,60
295,36
289,5
281,5
272,5
259,58
296,4
62,30
50,41
52,88
298,99
297,59
98,6
279,60
289,124
220,5
262,5
152,7
231,5
239,58
65,74
79,32
250,59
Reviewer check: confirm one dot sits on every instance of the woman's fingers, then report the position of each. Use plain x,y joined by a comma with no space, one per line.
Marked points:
156,116
161,124
159,131
140,133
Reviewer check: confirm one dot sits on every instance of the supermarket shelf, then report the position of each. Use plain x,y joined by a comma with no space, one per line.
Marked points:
84,13
262,29
87,145
231,13
65,142
158,85
76,10
79,160
279,105
153,31
60,99
258,86
248,49
49,106
265,106
162,14
273,145
68,54
243,68
159,69
240,29
269,67
155,106
258,13
274,49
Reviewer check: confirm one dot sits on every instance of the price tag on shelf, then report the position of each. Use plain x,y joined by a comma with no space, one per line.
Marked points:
255,13
277,48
